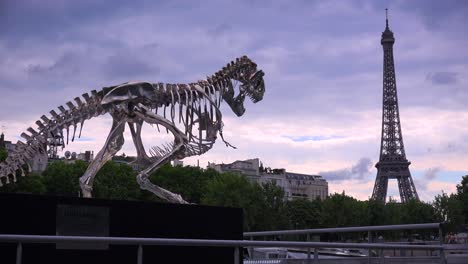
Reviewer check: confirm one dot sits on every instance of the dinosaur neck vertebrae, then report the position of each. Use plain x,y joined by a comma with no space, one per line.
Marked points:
191,112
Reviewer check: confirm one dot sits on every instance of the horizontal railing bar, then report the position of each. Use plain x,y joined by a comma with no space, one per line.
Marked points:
11,238
344,229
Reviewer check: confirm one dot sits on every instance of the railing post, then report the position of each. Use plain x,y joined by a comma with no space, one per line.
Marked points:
140,255
19,253
316,259
236,255
250,249
308,249
369,252
441,242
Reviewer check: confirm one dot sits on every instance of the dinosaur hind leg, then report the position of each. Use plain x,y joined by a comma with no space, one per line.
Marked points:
113,144
180,140
145,183
135,129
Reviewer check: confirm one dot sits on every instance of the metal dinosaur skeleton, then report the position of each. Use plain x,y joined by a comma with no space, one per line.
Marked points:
191,112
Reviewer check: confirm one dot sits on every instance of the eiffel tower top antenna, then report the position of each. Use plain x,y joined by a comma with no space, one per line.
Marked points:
386,16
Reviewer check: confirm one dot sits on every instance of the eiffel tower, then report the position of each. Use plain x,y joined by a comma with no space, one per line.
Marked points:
392,163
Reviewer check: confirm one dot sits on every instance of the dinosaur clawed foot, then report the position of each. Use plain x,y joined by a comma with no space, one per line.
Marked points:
145,184
86,190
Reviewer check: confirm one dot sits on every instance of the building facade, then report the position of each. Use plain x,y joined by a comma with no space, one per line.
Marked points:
295,185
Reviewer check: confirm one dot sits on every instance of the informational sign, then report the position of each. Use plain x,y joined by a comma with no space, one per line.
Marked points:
80,220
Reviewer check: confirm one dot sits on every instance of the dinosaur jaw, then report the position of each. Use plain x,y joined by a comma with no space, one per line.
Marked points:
237,104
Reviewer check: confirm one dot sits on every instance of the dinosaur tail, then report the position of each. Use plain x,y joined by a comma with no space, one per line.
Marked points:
16,160
50,130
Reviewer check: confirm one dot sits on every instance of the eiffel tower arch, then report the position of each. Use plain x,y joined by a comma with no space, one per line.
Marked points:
392,162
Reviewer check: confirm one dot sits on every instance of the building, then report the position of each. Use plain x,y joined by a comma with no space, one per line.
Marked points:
87,156
7,145
177,162
295,185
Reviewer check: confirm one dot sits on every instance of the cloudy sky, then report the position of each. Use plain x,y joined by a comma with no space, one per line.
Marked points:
321,112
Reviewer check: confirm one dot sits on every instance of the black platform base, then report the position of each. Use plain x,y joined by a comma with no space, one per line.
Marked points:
49,215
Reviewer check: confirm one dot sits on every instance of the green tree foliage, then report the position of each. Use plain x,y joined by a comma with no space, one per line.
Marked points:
32,184
63,179
233,190
449,209
303,214
189,182
270,212
3,154
414,212
462,194
265,206
341,210
116,181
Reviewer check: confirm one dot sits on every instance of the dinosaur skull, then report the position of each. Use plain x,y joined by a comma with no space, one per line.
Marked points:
252,85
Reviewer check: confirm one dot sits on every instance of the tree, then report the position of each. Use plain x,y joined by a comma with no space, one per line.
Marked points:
233,190
116,181
415,212
3,154
340,210
189,182
449,208
375,212
63,179
462,194
303,214
32,184
271,212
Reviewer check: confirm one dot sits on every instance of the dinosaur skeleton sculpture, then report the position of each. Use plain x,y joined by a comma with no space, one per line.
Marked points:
191,112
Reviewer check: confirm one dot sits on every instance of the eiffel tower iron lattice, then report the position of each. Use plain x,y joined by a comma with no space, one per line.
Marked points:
392,163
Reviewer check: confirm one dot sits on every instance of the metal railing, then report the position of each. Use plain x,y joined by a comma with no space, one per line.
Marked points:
346,229
368,229
235,244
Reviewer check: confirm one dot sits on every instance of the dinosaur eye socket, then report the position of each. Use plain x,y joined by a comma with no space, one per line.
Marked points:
259,84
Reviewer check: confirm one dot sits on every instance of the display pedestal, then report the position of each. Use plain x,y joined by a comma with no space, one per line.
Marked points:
50,215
